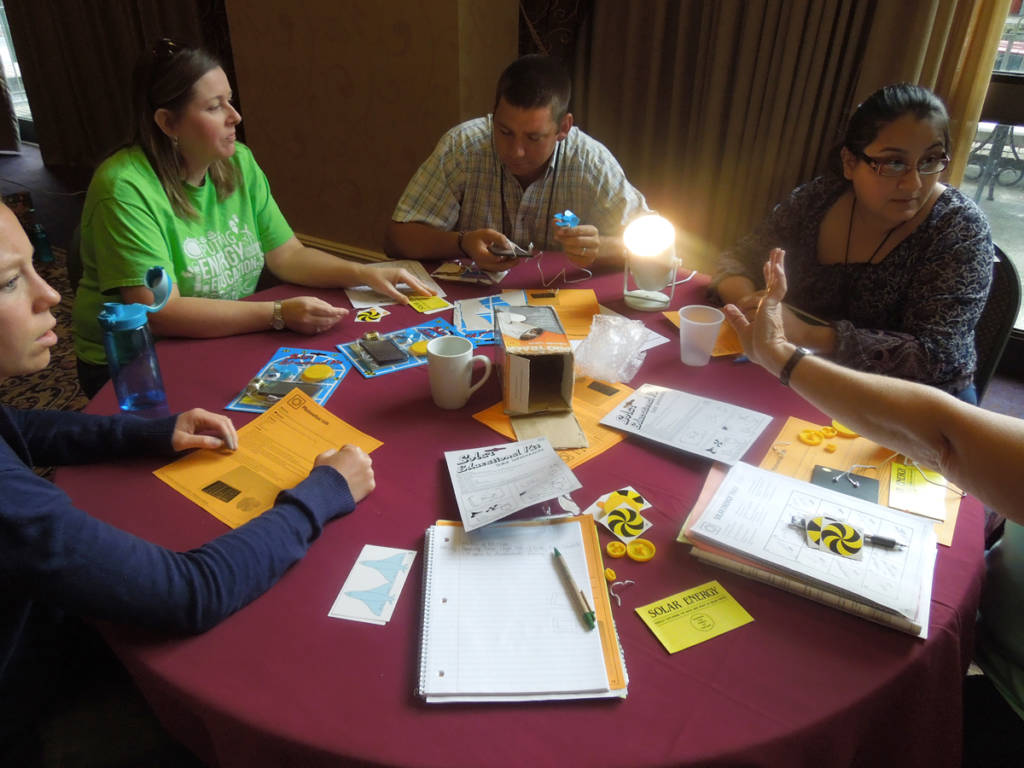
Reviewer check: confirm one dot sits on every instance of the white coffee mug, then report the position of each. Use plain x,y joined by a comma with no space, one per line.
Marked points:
450,362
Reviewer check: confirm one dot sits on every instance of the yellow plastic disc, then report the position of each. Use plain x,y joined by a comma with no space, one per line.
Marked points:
843,431
615,549
419,348
640,550
318,372
810,437
609,575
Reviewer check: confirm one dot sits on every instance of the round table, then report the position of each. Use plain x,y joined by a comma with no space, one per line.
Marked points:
281,683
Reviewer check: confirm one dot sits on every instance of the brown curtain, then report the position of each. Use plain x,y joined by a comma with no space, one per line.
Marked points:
718,108
953,52
76,60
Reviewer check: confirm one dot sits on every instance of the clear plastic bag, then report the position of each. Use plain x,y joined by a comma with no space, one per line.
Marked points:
612,350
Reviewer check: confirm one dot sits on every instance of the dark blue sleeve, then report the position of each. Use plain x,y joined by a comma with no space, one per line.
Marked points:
52,552
56,438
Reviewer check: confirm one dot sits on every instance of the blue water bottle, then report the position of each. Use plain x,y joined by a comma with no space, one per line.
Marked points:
131,354
40,243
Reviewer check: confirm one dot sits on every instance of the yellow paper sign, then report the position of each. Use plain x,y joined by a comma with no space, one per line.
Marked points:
275,451
691,617
428,305
918,490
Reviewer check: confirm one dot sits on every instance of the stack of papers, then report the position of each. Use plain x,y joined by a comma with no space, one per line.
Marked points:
745,526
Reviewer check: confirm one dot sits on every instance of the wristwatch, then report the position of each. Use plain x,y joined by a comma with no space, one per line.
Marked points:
787,369
277,319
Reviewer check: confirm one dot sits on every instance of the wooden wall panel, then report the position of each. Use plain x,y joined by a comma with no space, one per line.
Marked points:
344,98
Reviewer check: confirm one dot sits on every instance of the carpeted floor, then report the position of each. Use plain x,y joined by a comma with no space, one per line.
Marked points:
56,386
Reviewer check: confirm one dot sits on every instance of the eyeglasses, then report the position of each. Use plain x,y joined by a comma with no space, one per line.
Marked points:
164,49
926,167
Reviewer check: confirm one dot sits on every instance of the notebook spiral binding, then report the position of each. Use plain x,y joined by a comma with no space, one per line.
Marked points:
428,540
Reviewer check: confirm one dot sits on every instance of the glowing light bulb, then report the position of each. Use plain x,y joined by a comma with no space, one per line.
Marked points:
651,260
649,236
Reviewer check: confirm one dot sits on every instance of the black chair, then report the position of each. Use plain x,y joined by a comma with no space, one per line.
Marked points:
75,260
997,319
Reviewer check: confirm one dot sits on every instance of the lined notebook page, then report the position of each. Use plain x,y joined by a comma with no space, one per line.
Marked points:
498,619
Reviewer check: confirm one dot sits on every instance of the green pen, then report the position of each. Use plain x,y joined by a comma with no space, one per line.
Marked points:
586,612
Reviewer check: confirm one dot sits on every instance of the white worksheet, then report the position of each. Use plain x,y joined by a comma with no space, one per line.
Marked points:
699,425
495,481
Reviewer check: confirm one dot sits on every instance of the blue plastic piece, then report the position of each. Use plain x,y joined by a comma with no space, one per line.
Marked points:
567,219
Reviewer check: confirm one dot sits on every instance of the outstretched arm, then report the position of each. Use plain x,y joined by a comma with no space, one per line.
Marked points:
976,449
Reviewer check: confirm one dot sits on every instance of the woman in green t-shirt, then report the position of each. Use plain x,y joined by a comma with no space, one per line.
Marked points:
186,196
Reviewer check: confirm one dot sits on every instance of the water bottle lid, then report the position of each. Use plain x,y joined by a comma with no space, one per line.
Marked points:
122,317
126,317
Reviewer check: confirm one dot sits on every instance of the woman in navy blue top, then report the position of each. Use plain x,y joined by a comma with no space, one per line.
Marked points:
57,560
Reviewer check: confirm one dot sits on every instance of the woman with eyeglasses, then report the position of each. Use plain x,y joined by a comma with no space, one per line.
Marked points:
187,196
889,268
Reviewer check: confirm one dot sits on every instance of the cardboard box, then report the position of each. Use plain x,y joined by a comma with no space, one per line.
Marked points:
537,361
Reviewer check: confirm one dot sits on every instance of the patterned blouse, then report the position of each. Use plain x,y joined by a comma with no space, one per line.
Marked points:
912,315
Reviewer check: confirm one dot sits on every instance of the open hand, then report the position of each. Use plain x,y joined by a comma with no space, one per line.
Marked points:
385,281
310,315
763,336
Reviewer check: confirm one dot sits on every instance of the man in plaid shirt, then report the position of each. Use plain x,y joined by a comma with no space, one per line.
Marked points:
503,177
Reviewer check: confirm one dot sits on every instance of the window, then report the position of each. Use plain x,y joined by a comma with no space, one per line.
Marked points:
995,168
12,74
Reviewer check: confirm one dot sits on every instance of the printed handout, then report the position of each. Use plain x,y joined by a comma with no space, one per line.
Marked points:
699,425
495,481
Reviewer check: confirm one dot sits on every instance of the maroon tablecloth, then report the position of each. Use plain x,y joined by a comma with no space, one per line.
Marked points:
280,683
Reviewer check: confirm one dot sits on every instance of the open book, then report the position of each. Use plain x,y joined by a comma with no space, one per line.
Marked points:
746,524
499,623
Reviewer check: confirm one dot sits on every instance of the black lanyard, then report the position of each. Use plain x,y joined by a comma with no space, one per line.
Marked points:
506,224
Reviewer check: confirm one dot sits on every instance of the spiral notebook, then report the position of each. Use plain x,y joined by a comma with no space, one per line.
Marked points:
499,623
